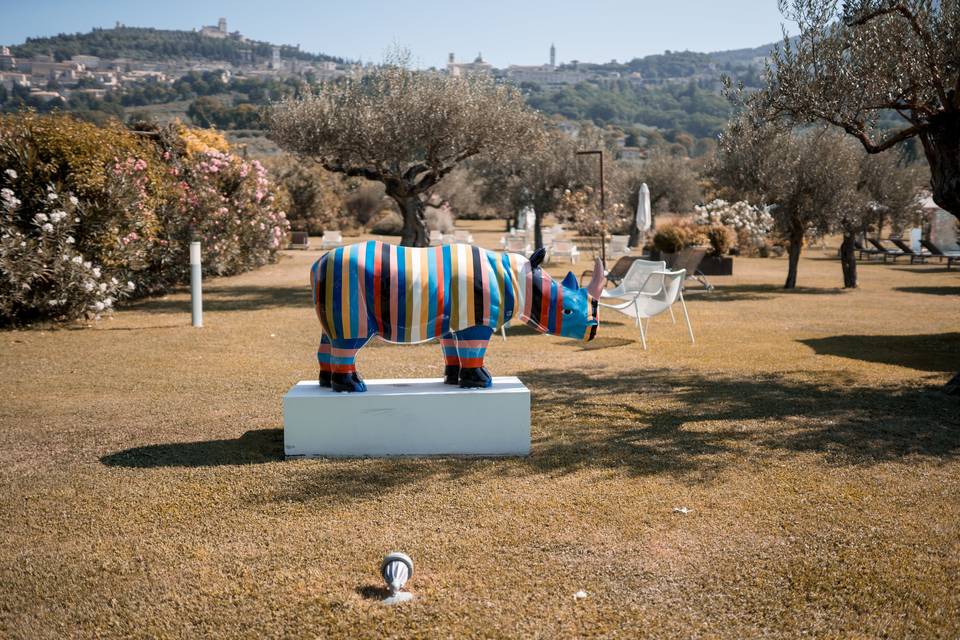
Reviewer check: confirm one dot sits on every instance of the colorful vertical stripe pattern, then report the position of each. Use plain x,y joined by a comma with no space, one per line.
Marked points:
407,294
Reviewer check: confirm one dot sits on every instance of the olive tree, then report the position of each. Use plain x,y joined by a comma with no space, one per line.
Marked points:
404,128
809,178
887,190
859,64
534,176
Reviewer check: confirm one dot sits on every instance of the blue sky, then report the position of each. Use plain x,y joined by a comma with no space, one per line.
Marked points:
507,32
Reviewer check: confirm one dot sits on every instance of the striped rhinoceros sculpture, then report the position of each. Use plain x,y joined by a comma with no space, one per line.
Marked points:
458,294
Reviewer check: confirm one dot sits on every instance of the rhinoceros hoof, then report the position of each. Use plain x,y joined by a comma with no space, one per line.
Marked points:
451,374
349,382
474,378
325,379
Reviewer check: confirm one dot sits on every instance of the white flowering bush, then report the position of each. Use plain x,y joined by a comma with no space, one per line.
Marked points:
752,224
42,275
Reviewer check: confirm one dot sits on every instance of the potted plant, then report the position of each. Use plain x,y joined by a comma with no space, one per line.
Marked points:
671,239
716,262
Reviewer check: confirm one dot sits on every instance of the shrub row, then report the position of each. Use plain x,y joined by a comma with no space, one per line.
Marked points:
90,215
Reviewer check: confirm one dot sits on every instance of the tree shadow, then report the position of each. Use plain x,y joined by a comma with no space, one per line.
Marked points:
755,292
702,428
237,298
931,352
253,447
933,291
677,423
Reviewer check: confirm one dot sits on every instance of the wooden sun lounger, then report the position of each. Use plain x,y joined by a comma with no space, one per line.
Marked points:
886,252
950,256
857,245
299,240
618,270
914,256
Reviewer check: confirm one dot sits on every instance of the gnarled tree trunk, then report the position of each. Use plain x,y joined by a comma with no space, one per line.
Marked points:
793,252
414,233
848,261
941,144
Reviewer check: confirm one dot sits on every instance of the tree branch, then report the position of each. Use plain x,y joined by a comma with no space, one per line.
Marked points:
412,172
431,178
353,172
883,145
924,37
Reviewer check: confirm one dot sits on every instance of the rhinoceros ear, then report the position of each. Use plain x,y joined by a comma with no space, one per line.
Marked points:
537,258
570,282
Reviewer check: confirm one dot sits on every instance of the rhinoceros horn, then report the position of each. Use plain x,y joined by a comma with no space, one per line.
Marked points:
595,288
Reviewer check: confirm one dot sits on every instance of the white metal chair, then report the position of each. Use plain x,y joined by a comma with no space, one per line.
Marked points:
331,239
638,278
436,237
618,246
462,235
564,249
657,294
518,244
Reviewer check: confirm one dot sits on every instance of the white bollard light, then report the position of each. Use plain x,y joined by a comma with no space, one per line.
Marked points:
196,294
396,569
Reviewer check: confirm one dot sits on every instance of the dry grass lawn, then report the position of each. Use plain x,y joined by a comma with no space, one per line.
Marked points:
144,492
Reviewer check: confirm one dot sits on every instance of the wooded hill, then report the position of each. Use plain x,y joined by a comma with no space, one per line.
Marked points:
137,43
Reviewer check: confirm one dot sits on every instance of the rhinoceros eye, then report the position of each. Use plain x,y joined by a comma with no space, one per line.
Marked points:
568,312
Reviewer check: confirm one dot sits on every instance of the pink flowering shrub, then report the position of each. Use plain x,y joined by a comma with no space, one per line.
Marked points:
87,210
231,206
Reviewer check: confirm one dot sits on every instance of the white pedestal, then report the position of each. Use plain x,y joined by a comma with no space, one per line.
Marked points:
407,417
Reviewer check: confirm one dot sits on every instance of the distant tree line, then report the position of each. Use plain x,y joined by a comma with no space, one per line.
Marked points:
685,107
235,107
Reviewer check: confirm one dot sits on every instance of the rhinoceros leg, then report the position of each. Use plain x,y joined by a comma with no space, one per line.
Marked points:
323,357
451,361
343,356
471,348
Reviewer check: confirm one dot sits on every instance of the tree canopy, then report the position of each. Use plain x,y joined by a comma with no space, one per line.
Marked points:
854,63
404,128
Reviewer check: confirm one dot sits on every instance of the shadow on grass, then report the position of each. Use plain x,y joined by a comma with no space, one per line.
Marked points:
754,292
681,424
926,268
371,592
933,352
933,291
253,447
600,342
230,299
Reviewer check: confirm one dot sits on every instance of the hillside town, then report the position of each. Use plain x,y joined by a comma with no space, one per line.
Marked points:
49,79
46,78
